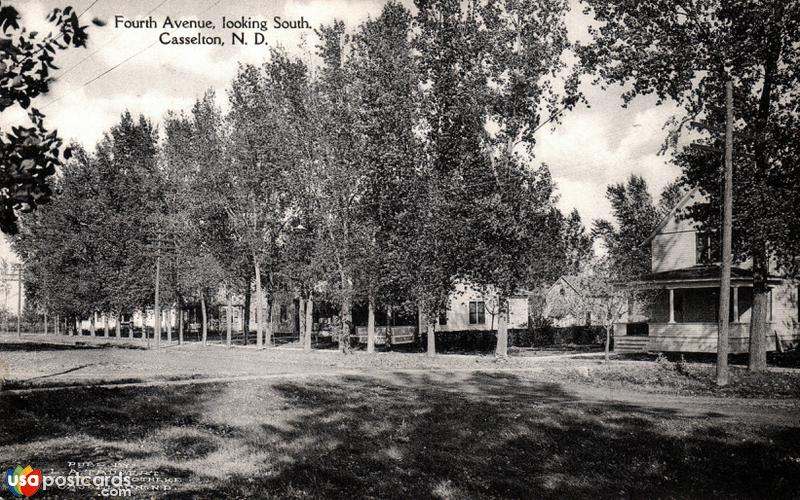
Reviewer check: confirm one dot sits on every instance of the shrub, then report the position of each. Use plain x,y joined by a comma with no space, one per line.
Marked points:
540,332
582,335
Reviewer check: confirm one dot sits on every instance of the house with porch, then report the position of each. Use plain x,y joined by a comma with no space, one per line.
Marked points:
681,306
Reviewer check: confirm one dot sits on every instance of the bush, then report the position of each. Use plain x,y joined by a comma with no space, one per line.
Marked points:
463,341
582,335
542,333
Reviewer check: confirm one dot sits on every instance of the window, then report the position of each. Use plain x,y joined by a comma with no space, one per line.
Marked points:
443,318
477,313
708,250
284,314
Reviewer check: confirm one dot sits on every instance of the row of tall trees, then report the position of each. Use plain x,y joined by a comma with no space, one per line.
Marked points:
399,164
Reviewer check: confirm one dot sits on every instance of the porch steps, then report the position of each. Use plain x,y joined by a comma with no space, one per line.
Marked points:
630,344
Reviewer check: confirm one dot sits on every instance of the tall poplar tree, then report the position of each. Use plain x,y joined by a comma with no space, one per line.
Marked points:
385,80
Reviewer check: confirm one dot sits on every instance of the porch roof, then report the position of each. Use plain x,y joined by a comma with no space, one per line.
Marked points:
704,275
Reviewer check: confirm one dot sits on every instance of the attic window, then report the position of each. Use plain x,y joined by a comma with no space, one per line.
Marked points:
562,292
708,250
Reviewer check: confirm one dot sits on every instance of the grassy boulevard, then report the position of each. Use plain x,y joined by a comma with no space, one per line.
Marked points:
280,423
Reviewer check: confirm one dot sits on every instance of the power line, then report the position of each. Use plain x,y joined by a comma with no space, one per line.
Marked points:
60,34
87,8
104,73
109,42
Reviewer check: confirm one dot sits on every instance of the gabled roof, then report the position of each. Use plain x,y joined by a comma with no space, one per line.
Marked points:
678,206
571,280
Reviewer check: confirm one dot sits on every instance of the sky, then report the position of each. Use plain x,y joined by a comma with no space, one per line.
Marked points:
127,68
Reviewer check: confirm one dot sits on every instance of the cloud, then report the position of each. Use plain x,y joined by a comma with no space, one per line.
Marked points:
605,144
99,114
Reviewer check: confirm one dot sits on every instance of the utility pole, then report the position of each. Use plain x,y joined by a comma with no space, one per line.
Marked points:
19,301
725,268
723,332
5,303
157,309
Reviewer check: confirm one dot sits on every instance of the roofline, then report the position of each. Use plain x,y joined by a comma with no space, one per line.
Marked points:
737,279
561,278
669,215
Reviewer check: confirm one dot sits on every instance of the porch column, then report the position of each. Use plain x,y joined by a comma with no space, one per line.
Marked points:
736,304
671,305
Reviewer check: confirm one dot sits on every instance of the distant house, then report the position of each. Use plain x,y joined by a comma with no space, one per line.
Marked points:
682,312
564,303
470,309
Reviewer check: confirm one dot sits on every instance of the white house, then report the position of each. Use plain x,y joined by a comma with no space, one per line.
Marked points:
683,312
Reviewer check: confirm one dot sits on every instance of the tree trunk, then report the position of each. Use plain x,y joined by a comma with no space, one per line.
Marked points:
145,334
55,326
105,325
157,305
309,325
180,322
259,307
432,336
92,331
168,320
608,341
301,320
346,318
501,349
371,324
229,319
246,314
420,324
205,317
388,339
759,320
269,321
45,321
760,310
117,326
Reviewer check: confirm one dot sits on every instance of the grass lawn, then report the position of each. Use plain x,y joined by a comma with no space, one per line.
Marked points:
402,435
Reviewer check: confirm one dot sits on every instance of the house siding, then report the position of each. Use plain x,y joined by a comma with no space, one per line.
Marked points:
785,321
672,251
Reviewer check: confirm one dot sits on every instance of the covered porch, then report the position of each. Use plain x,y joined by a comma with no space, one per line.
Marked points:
679,311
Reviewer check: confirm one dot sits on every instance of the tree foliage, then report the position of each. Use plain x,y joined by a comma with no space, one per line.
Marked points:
398,166
635,219
90,250
30,154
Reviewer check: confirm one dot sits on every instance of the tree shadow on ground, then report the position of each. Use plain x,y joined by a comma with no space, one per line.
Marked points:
422,435
45,347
